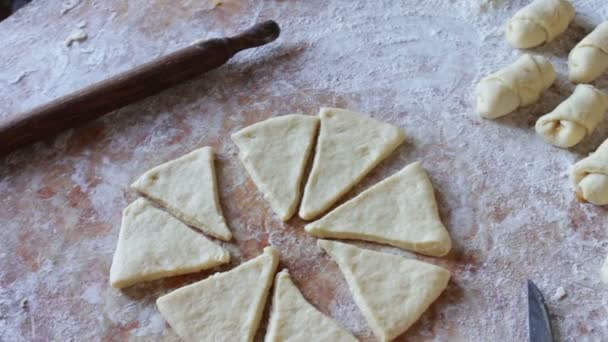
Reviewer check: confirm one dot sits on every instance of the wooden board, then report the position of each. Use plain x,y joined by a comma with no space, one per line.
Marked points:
502,192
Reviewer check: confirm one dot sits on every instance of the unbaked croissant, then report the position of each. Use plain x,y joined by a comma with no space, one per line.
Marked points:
590,176
539,22
514,86
589,59
575,118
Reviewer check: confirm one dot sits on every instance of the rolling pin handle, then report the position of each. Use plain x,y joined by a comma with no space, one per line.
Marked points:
258,35
130,86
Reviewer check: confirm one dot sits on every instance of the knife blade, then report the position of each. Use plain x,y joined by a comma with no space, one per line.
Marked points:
539,324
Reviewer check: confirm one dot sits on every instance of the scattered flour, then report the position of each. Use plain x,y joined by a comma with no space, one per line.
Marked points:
503,192
69,5
92,294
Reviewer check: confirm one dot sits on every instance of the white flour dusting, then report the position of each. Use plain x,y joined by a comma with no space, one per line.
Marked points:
503,193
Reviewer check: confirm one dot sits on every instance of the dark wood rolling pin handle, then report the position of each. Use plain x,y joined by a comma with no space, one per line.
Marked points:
148,79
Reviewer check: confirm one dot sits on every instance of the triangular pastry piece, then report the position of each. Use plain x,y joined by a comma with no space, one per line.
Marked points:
153,244
187,188
349,146
391,291
275,152
224,307
399,211
293,319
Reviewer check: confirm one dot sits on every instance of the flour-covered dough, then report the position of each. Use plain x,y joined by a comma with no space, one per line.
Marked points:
539,22
391,291
514,86
588,60
350,145
399,211
275,153
575,118
224,307
293,319
590,176
187,188
153,244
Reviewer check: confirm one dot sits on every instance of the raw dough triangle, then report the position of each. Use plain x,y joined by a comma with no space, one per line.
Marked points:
275,153
399,211
224,307
187,188
293,319
153,244
350,145
391,291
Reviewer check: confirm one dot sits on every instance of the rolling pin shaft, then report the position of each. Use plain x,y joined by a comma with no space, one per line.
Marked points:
145,80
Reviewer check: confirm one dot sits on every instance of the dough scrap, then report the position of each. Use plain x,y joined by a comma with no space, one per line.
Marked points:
590,176
588,60
153,244
224,307
349,146
275,153
187,188
391,291
77,36
293,319
539,22
575,118
514,86
399,211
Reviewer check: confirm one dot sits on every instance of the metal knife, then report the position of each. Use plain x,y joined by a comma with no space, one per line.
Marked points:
539,324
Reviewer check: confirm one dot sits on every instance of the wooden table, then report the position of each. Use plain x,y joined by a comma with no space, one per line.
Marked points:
502,192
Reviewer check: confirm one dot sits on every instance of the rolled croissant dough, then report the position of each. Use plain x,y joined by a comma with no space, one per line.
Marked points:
399,211
575,118
349,146
224,307
514,86
187,188
589,59
293,319
590,176
539,22
275,153
153,244
391,291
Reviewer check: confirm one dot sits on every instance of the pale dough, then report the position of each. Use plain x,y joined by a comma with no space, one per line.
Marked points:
187,188
588,60
575,118
590,176
391,291
275,153
514,86
224,307
78,35
399,211
293,319
153,244
539,22
350,145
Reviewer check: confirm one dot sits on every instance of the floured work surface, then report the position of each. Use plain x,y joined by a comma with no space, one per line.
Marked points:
503,193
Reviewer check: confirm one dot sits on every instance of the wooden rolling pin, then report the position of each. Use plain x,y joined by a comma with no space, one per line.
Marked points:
148,79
